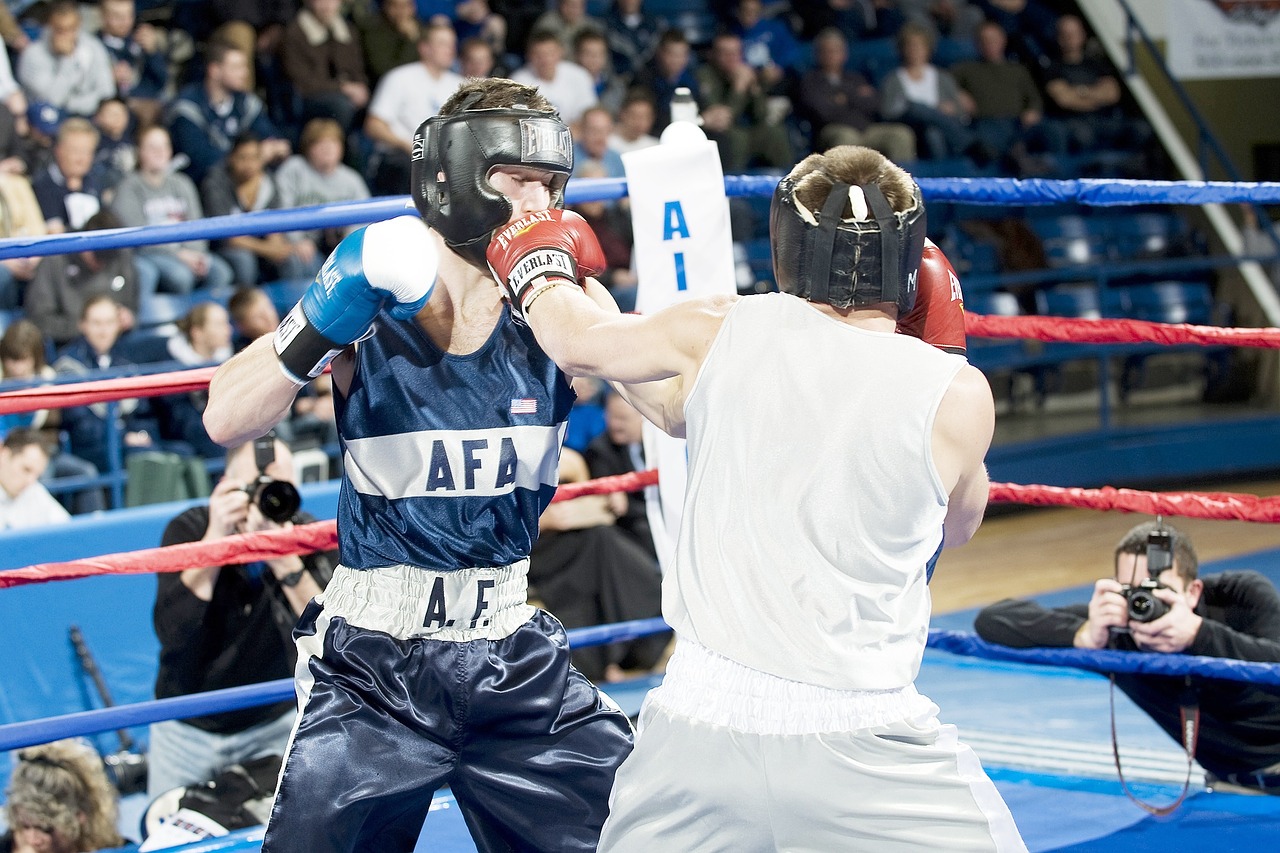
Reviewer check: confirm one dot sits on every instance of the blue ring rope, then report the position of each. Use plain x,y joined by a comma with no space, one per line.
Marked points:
985,191
30,732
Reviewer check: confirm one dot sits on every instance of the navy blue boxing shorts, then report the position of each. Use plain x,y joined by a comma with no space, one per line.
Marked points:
410,680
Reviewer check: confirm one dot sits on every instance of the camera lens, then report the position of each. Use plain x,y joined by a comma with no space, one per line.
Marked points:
1145,607
278,500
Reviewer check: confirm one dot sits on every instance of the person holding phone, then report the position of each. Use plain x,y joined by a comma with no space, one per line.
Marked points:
1156,602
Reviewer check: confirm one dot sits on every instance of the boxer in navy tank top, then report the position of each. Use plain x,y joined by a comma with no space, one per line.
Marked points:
422,665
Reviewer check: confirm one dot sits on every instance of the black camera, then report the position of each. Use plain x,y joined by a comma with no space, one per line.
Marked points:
277,499
1143,604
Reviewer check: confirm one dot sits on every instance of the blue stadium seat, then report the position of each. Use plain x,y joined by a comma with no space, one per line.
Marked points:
162,309
1069,240
7,317
1146,234
874,58
1069,300
143,347
286,292
950,51
1170,302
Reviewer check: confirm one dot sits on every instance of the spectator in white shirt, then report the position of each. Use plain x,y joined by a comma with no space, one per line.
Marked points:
405,98
566,85
634,128
23,501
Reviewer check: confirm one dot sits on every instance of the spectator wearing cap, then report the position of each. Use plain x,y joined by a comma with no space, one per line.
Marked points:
66,68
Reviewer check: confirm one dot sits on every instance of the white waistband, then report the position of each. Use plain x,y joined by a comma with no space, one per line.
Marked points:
710,688
457,606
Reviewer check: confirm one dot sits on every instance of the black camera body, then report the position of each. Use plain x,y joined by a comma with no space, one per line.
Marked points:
1143,604
277,499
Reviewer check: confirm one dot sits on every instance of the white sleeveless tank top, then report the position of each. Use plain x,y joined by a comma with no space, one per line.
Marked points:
813,503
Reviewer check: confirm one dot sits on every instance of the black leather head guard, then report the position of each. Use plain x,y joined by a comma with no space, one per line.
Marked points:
824,257
453,156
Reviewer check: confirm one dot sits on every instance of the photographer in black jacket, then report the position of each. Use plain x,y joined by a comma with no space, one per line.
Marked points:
228,626
1232,615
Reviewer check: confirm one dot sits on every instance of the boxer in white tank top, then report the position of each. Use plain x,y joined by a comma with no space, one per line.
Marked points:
827,456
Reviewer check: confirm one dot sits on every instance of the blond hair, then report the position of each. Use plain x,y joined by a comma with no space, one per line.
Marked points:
62,786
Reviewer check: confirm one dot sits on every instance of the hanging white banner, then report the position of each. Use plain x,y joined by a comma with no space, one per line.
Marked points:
683,249
1223,39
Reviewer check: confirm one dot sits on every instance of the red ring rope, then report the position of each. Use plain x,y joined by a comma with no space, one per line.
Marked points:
322,535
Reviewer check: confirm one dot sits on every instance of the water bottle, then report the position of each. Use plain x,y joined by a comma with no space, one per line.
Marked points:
684,126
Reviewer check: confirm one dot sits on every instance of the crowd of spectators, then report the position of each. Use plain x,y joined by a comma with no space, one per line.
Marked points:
138,113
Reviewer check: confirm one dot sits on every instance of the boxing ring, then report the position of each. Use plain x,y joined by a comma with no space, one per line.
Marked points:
1049,783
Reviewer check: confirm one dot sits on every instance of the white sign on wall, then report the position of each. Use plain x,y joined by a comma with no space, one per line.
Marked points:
1223,39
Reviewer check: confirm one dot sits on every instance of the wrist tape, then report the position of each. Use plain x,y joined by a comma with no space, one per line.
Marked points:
538,270
303,352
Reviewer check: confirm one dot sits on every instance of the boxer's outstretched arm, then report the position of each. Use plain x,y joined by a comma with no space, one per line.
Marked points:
248,395
587,340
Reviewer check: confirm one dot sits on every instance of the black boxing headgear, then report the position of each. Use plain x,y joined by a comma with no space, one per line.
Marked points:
847,262
453,156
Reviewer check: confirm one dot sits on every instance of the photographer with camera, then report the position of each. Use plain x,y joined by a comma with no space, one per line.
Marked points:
1157,603
227,626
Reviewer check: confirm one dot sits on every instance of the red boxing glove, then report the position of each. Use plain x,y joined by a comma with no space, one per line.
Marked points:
541,250
938,315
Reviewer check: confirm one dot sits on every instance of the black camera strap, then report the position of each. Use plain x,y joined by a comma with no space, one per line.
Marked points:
1189,717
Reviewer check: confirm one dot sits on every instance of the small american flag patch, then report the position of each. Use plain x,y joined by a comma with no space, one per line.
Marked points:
524,406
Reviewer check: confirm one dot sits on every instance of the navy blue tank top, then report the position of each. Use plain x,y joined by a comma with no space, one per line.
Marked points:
448,459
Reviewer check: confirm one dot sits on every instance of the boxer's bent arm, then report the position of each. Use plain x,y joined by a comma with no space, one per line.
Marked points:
961,437
248,395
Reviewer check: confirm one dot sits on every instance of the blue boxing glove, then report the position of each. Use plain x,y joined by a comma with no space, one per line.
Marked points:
387,262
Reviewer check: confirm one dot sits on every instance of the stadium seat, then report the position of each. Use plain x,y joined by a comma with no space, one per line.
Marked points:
1170,302
163,309
1002,359
1069,300
286,292
145,347
874,58
1146,234
1069,240
7,317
